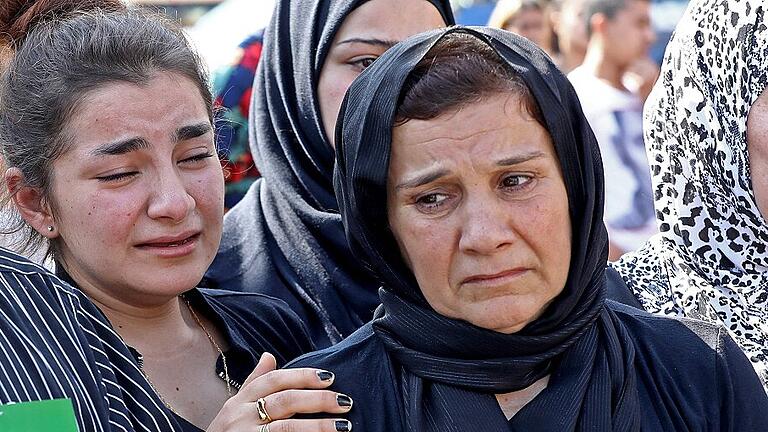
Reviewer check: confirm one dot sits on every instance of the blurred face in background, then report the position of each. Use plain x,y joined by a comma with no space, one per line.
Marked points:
571,31
366,33
629,35
532,24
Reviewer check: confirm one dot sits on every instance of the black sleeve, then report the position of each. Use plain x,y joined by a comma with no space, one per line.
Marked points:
743,401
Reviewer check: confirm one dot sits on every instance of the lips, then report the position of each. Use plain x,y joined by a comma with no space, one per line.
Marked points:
494,277
170,241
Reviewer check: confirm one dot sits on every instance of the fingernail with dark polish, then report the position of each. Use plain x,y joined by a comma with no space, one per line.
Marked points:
325,375
343,426
344,400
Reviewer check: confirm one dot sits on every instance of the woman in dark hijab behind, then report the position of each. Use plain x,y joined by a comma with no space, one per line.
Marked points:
285,238
470,182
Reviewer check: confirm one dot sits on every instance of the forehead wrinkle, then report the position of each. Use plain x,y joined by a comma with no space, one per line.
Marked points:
512,106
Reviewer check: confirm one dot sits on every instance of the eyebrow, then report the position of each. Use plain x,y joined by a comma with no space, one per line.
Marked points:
423,179
429,177
121,147
516,160
370,41
137,143
192,131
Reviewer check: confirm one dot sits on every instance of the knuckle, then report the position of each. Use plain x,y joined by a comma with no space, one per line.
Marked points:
280,400
270,378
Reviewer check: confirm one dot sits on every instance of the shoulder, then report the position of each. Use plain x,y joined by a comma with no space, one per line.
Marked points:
617,290
695,357
647,327
677,357
359,362
24,283
363,371
12,263
349,355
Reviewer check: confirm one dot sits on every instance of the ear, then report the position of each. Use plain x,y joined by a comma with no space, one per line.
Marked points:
31,204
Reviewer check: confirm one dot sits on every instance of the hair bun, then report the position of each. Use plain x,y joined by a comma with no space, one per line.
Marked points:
18,17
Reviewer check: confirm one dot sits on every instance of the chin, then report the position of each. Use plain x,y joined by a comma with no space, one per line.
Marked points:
502,327
178,281
506,320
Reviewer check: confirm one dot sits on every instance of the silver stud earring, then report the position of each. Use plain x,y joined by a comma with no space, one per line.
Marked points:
50,228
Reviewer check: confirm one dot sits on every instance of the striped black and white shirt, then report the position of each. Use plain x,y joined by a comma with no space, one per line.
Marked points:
54,343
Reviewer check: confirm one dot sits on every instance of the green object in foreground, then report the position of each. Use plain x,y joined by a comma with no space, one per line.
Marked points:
56,415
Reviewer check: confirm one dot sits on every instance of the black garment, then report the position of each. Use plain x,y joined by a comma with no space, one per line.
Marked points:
618,291
446,369
55,343
690,377
252,323
285,238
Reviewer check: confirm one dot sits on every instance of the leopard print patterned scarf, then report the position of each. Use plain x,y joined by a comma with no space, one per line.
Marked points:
710,259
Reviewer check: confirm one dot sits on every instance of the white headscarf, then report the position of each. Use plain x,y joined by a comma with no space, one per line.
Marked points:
710,260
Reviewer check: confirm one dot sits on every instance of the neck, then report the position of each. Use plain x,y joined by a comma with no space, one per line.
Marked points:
165,319
599,65
170,325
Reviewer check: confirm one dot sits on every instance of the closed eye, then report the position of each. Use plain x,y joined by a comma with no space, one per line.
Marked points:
197,158
116,177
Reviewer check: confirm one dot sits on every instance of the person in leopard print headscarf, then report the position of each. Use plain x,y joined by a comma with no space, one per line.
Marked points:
706,132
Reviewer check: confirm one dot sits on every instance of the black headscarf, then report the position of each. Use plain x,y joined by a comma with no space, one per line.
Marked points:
449,376
285,238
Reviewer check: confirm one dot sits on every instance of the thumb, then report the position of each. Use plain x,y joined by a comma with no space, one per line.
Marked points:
267,363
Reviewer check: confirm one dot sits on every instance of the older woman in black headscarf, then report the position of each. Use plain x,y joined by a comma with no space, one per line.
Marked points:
468,179
285,238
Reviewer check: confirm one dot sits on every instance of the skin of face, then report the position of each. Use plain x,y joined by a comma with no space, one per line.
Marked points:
366,33
629,35
480,213
757,145
531,24
139,197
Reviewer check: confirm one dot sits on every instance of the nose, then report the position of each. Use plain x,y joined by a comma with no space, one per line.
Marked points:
169,198
487,227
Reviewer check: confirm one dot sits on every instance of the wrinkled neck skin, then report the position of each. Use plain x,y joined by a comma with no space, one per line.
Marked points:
511,403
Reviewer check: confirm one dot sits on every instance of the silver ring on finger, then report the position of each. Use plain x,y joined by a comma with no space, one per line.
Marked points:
261,409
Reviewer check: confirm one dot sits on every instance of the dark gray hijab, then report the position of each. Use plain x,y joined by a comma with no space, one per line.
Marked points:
285,237
451,376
